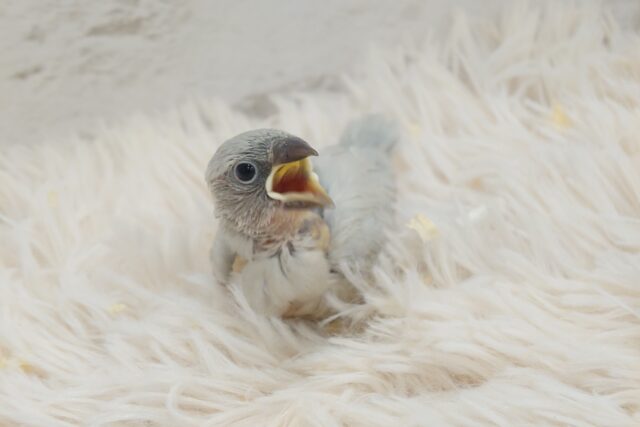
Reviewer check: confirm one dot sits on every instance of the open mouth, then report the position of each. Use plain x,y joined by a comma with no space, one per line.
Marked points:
296,185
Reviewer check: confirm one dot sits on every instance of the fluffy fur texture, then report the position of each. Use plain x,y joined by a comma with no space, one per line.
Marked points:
520,306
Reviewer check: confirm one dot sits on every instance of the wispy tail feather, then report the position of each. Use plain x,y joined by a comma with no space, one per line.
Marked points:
358,175
374,131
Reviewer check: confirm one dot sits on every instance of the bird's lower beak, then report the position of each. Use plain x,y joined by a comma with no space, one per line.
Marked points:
295,184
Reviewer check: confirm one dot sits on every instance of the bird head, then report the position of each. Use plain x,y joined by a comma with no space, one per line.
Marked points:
258,174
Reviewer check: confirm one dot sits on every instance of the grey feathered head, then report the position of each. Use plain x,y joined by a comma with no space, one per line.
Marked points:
258,173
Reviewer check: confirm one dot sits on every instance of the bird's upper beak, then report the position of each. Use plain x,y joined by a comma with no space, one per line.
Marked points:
292,179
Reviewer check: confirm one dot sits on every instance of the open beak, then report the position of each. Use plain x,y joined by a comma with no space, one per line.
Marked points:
292,179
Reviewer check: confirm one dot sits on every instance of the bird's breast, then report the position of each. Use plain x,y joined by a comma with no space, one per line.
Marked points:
291,271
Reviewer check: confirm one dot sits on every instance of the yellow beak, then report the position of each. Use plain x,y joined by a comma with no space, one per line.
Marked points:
296,184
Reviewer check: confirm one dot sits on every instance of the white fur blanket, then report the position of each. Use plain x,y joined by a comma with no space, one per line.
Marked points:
517,301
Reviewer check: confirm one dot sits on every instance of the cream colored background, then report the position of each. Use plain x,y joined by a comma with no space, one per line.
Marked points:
64,64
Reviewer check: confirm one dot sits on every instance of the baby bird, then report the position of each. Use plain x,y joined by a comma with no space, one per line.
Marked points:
285,233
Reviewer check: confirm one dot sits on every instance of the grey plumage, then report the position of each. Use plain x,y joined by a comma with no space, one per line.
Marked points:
358,175
230,196
293,239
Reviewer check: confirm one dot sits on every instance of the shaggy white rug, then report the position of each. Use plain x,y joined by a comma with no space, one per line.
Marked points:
513,299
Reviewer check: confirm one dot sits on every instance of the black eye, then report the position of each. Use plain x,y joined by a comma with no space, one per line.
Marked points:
245,172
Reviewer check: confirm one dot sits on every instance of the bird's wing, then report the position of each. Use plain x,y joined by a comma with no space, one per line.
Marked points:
357,173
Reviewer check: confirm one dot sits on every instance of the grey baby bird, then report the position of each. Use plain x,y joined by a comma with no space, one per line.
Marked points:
289,227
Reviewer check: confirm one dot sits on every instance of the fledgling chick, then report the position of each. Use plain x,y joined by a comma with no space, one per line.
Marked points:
285,233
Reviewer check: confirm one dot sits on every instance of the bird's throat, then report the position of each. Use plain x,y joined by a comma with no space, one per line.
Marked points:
292,226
